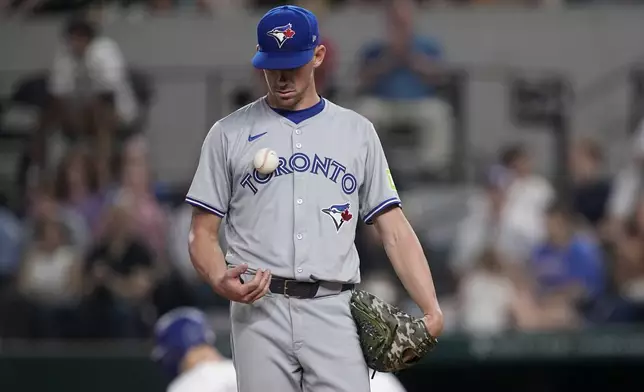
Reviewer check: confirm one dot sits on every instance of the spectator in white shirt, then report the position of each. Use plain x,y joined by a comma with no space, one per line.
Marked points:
526,198
50,280
485,297
627,188
508,217
91,91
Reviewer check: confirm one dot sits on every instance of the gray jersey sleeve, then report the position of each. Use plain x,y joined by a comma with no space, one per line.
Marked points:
211,184
378,191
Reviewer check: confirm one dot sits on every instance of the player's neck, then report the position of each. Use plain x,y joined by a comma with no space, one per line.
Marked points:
310,99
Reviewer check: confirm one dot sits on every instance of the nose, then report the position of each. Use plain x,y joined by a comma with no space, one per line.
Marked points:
285,75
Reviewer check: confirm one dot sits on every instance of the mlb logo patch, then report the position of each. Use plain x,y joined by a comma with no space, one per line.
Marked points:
282,34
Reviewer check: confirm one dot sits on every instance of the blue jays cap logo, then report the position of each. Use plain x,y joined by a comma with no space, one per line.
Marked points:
339,213
282,34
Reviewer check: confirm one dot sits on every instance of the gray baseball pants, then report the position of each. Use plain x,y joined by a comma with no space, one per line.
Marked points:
285,344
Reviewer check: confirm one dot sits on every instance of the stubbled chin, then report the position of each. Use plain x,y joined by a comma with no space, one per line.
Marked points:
286,101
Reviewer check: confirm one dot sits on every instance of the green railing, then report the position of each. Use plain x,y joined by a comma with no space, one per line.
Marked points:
591,357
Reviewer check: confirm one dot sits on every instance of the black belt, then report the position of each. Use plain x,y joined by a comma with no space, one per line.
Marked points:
299,289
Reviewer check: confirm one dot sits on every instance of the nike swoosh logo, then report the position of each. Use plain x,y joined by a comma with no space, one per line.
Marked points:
253,138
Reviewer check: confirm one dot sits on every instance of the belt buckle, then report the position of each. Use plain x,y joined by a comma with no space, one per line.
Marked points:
285,288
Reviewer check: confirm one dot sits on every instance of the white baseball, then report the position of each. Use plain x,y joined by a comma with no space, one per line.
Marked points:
265,161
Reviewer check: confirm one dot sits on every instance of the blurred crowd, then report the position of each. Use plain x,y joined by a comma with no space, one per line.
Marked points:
95,247
216,7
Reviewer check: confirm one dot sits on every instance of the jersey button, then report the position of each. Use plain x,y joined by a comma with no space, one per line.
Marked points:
298,145
300,270
299,201
299,236
297,131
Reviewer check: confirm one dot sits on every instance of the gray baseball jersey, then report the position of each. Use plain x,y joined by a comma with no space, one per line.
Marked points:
299,221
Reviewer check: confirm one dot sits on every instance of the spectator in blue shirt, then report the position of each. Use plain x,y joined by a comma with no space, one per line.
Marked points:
569,261
565,277
398,77
11,242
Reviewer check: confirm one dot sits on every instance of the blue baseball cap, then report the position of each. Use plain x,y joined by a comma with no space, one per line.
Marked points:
175,333
287,37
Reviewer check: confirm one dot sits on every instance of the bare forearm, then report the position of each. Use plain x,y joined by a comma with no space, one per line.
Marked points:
206,256
409,262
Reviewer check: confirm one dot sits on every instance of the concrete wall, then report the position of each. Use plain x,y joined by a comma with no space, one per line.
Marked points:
585,44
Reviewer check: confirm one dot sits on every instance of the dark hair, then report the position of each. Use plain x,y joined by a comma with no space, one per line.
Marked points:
41,224
489,260
80,26
89,167
559,207
510,154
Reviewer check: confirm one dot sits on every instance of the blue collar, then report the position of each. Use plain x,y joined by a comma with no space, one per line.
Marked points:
297,116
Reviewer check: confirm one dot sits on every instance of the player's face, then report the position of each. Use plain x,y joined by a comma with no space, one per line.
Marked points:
288,87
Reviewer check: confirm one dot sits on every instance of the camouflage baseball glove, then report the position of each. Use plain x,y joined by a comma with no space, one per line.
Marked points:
391,340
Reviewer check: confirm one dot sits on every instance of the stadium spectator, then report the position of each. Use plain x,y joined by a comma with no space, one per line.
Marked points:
590,188
77,186
43,204
565,276
484,225
569,259
629,271
527,197
627,186
121,279
50,280
485,296
628,275
398,77
92,97
11,243
508,216
135,191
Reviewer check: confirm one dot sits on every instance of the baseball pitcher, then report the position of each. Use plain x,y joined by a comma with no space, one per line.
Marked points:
292,173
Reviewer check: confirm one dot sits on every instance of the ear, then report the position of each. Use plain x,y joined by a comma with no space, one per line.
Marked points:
257,47
318,56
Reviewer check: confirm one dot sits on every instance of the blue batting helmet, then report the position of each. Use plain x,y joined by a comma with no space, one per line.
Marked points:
176,332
